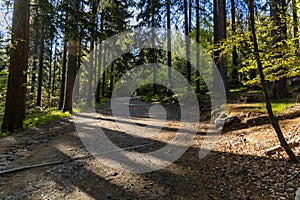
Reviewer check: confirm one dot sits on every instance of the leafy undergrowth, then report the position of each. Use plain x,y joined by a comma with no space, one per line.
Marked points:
35,119
83,105
38,117
159,98
278,107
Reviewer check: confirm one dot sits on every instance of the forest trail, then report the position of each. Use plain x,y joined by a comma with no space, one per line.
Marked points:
236,168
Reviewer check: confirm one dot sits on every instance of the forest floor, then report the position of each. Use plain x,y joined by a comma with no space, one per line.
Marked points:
236,167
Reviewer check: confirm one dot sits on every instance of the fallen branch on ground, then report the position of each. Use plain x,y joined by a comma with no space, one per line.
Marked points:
66,161
277,148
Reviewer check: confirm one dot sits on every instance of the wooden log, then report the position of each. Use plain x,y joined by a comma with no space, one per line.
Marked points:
277,148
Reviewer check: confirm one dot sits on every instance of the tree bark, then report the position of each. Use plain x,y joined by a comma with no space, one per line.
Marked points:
41,66
50,72
103,74
198,47
35,56
72,59
187,43
111,82
234,74
71,76
279,35
16,90
153,51
54,72
63,77
77,80
91,55
219,35
97,94
295,24
169,47
272,117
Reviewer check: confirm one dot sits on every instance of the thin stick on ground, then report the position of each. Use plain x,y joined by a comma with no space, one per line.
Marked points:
17,169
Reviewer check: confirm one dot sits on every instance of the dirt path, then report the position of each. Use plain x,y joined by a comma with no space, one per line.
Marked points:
235,169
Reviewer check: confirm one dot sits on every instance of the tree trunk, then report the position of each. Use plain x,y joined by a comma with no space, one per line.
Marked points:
71,76
187,43
41,66
111,82
234,74
103,74
72,59
96,77
190,15
198,47
50,73
54,72
169,47
279,35
253,72
16,90
54,78
90,73
97,94
63,77
273,119
77,80
91,55
295,25
153,51
219,35
35,56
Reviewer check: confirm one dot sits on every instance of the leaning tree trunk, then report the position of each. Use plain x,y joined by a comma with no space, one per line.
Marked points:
16,90
273,119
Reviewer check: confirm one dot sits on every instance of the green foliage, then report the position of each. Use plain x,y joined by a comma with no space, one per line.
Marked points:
159,98
38,117
102,101
82,106
279,59
278,107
